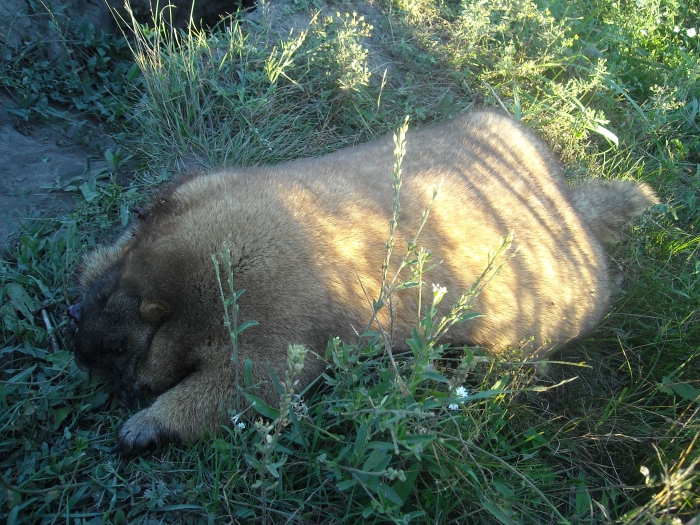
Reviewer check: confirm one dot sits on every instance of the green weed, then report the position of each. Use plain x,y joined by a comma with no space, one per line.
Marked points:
92,72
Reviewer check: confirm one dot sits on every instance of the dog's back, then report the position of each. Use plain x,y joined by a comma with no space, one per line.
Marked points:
495,177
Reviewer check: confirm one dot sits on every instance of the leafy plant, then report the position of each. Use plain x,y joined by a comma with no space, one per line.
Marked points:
93,73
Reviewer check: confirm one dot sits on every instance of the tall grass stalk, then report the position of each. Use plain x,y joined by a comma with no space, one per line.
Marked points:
230,304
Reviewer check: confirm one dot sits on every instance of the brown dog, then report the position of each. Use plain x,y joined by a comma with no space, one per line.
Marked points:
307,241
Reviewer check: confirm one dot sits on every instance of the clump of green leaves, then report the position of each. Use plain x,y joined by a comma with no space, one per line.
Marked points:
90,71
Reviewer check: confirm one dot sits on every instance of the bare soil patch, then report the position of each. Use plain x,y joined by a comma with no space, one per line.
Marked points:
32,157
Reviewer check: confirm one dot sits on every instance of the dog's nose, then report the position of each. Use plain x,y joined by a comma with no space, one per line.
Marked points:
75,311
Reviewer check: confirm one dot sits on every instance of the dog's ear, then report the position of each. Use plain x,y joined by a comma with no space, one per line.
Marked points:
154,311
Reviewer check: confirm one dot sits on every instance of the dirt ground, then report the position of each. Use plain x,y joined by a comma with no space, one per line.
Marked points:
31,157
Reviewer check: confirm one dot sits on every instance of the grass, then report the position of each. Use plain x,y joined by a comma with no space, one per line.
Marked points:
611,436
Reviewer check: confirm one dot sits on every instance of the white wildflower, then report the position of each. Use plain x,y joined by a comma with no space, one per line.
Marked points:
644,32
676,29
461,392
691,32
453,406
438,289
438,293
241,425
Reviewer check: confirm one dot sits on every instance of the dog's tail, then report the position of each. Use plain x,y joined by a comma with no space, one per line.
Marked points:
607,206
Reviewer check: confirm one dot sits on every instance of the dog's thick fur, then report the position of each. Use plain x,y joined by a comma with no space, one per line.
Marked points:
308,240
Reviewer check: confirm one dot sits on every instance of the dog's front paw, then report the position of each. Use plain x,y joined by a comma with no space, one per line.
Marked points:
140,434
